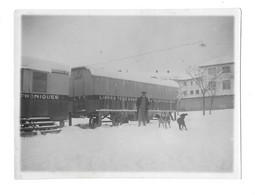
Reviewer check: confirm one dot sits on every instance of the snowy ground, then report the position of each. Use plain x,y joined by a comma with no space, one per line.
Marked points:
207,146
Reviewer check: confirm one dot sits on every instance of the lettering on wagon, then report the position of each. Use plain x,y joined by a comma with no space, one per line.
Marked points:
120,98
105,97
39,96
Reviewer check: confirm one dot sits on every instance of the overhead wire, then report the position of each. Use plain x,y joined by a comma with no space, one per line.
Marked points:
147,53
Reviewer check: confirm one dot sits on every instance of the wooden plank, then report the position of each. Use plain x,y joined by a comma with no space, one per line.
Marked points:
38,118
132,111
30,128
51,131
27,134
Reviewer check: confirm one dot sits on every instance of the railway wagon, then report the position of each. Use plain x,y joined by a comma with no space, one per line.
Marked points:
44,90
98,94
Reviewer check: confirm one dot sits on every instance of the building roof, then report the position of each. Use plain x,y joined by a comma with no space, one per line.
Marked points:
218,61
183,77
43,65
132,77
164,76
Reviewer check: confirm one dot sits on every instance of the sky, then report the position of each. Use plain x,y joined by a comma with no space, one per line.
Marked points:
170,43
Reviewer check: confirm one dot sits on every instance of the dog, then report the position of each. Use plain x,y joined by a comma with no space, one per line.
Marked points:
181,121
163,119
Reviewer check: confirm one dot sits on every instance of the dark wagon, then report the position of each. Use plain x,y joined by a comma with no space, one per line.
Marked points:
44,96
98,94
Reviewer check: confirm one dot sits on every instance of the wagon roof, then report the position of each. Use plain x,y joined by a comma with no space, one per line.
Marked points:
132,77
43,65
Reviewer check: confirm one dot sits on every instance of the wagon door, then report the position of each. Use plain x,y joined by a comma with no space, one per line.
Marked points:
39,107
59,90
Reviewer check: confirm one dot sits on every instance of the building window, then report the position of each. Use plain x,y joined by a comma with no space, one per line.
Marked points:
226,69
212,85
39,82
184,93
226,84
185,83
191,92
197,91
212,71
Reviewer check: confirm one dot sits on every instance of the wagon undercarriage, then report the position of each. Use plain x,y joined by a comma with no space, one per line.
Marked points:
119,117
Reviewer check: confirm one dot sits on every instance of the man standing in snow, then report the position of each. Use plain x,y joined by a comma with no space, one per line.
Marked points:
142,105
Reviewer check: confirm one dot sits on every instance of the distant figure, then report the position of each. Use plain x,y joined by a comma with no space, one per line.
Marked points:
142,105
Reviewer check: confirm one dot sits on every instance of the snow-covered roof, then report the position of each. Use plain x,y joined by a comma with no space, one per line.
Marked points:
182,76
164,76
217,61
132,77
42,65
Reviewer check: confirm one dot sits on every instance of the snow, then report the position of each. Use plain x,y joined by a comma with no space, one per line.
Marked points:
207,146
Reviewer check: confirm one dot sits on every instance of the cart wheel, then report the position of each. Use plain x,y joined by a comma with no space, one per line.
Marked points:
117,120
62,123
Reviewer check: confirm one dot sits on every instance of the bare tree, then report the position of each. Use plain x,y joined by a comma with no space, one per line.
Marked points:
214,84
180,95
212,92
204,81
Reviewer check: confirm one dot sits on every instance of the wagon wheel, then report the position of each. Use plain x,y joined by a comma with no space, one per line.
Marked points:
117,120
62,123
94,121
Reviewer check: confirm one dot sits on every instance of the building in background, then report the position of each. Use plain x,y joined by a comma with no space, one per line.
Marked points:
223,85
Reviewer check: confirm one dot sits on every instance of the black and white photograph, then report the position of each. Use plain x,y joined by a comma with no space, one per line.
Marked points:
128,93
